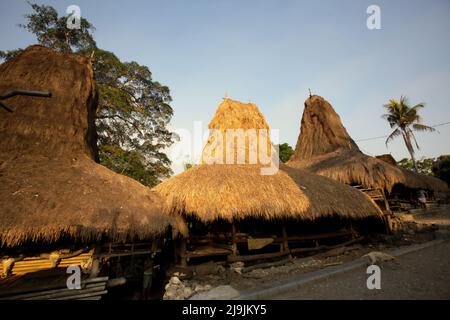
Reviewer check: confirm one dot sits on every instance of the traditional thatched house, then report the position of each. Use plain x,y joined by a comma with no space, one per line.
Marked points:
238,207
56,202
434,191
324,147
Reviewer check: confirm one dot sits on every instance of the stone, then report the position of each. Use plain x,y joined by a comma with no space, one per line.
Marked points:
257,274
376,257
187,292
221,269
237,267
175,281
224,292
170,293
207,269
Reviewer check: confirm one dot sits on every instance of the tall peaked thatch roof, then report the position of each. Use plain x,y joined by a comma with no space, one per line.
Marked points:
322,131
235,122
237,191
51,185
324,147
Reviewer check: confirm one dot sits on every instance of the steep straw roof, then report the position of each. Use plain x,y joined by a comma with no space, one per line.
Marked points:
237,191
387,158
51,186
324,147
235,115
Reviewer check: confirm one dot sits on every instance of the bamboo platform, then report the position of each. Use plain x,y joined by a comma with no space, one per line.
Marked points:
225,246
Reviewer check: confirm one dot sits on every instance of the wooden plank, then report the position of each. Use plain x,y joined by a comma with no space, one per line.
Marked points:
68,294
317,236
266,265
208,251
43,294
319,248
96,298
84,295
124,254
260,256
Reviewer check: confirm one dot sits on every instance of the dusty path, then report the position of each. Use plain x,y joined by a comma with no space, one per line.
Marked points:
423,274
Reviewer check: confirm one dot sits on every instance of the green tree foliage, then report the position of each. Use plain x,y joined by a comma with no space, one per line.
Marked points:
188,165
404,119
424,165
441,168
438,167
51,31
133,114
285,152
133,111
6,55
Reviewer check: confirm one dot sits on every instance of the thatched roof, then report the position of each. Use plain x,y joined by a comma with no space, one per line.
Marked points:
51,185
432,183
324,147
237,191
387,158
235,115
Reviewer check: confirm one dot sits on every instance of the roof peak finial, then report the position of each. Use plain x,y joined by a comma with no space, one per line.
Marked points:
310,95
226,95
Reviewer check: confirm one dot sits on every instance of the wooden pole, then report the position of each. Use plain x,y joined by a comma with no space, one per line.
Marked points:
388,213
386,203
183,253
233,240
285,240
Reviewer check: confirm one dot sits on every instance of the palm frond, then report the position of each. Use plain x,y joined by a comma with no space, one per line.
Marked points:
419,106
414,138
394,134
404,101
422,127
393,121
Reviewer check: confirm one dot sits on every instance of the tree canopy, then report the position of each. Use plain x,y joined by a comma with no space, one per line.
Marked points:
441,168
438,167
404,119
285,152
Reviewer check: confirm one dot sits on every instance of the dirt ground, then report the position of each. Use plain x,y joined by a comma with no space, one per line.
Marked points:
424,274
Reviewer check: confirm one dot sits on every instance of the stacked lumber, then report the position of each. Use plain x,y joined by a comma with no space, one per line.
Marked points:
51,284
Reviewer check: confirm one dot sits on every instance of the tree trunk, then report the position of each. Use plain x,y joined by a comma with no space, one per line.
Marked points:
409,146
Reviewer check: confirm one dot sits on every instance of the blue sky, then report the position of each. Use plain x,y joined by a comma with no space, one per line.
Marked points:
271,52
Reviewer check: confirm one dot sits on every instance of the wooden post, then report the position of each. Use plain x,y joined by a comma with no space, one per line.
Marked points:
233,240
183,253
389,213
285,240
154,248
386,203
352,231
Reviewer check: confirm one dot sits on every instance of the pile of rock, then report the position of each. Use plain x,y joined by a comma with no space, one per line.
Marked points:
177,289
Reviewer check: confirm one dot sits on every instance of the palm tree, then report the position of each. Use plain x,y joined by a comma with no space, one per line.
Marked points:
402,117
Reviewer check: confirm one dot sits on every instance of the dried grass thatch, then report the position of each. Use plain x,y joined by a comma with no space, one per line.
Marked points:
243,121
432,183
387,158
238,191
324,147
51,186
